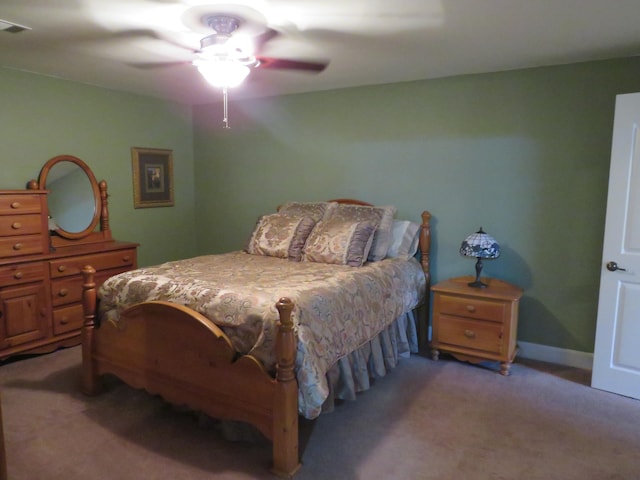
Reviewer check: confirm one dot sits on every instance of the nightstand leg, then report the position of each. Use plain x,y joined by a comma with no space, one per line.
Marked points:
435,354
505,368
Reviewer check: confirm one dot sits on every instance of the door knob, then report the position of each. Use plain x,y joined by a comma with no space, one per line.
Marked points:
613,266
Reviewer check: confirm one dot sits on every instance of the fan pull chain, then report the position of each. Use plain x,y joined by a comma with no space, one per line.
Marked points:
225,120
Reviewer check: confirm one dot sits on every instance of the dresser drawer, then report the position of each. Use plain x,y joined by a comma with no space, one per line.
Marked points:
478,335
69,289
102,261
20,225
22,273
472,308
22,245
66,319
20,204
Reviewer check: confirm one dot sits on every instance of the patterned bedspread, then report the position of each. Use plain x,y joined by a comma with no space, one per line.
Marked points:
337,308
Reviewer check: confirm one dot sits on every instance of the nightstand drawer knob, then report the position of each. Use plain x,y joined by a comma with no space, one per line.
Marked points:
471,308
470,334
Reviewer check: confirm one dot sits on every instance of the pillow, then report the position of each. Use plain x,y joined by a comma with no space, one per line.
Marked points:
280,235
381,217
315,210
339,242
404,239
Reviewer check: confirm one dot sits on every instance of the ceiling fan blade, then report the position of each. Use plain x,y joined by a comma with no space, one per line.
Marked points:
10,27
285,64
261,39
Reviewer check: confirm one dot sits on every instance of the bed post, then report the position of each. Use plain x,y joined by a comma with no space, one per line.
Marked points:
425,252
425,247
90,381
285,408
104,210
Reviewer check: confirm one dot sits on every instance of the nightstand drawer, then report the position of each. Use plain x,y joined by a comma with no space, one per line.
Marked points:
472,308
484,336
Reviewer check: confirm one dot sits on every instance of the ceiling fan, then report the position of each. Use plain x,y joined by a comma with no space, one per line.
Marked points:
225,58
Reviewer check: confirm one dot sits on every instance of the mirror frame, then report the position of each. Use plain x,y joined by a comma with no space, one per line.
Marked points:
42,185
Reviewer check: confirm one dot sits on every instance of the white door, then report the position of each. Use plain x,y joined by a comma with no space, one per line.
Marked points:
616,362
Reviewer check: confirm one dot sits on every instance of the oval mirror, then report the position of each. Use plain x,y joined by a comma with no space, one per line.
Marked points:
74,196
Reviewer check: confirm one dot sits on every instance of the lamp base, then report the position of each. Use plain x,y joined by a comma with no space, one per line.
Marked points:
477,283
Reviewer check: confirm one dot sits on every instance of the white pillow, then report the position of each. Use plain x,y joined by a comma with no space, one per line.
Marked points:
404,239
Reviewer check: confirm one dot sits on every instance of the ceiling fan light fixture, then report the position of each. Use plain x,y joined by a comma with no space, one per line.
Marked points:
222,72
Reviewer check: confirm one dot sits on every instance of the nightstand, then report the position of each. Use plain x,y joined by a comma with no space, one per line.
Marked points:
476,324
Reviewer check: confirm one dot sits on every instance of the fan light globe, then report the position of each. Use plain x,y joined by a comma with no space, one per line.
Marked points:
222,73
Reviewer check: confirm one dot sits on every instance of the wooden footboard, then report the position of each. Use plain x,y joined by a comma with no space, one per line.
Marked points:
175,352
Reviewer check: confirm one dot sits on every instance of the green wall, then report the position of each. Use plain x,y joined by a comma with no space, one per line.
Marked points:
525,154
42,117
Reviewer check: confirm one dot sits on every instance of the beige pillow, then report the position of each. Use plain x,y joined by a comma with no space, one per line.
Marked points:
315,210
381,217
339,242
279,235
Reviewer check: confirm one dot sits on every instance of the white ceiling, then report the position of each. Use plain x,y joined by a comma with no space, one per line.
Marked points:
105,42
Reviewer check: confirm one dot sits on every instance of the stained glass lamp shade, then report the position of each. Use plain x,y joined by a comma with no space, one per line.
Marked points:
479,245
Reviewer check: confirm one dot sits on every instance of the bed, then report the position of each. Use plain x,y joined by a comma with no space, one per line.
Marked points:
256,335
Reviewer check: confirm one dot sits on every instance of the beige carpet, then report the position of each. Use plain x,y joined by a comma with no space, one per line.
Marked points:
426,420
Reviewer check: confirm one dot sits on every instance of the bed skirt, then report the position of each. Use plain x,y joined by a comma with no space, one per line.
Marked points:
349,375
354,373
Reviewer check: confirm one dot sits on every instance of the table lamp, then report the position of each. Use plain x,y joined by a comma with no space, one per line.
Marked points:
479,245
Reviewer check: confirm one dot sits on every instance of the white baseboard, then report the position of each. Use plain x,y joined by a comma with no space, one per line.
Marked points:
561,356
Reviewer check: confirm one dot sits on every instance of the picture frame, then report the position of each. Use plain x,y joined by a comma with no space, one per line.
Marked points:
152,177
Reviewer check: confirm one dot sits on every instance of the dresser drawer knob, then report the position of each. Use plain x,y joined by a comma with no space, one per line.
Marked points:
16,225
17,275
15,205
126,258
17,246
471,308
64,321
61,268
470,334
63,292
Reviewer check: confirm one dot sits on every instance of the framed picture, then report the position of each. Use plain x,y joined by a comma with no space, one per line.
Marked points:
152,177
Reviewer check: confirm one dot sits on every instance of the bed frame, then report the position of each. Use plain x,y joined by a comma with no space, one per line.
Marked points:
177,353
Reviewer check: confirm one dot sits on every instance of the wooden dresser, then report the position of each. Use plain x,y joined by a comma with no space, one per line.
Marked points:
40,279
476,324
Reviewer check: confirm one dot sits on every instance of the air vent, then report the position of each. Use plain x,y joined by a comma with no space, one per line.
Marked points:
11,27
